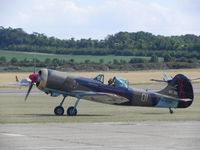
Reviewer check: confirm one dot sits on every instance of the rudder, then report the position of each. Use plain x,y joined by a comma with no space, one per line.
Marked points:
180,87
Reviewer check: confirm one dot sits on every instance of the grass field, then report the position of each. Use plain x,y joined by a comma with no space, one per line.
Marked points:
39,109
78,58
134,77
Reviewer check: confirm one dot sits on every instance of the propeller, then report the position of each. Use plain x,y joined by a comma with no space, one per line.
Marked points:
29,90
34,79
34,63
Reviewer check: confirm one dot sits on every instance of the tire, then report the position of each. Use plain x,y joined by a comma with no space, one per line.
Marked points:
71,111
171,111
59,111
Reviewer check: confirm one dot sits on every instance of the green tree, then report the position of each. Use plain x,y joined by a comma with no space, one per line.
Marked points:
87,61
13,61
47,61
55,62
167,58
115,61
137,60
101,61
154,59
2,60
72,61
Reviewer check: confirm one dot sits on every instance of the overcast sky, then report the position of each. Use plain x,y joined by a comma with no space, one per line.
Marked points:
97,18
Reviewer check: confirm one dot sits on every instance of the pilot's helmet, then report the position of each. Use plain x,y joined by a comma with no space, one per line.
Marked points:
110,81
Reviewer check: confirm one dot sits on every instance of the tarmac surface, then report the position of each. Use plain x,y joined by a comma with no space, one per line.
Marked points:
101,136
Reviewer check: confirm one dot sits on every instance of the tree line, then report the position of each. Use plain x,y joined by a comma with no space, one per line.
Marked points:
122,43
62,62
14,64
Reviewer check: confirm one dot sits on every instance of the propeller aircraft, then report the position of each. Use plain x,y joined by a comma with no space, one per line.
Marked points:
177,94
20,83
27,81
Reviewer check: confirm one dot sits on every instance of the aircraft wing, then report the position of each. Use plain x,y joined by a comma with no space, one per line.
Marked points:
191,79
12,83
108,98
157,80
19,84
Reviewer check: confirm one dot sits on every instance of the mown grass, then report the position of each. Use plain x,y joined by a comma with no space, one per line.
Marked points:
39,109
77,58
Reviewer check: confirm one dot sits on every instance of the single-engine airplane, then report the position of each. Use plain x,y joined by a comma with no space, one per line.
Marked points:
20,83
177,94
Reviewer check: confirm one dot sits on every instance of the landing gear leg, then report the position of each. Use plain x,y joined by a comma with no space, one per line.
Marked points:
72,111
170,110
59,110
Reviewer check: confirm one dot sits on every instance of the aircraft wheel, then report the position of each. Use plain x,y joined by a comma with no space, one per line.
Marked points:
71,111
59,111
171,111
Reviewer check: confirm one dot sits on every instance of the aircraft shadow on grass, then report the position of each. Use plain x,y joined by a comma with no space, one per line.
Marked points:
153,113
81,115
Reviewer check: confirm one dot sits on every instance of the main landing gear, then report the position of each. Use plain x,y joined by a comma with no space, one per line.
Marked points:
71,111
170,110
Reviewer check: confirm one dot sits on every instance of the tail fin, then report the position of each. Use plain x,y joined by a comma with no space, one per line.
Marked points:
180,87
17,80
165,78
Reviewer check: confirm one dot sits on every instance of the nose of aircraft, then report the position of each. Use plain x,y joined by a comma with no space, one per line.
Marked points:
39,79
34,77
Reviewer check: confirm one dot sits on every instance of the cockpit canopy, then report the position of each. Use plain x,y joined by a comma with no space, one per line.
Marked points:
117,81
100,78
120,82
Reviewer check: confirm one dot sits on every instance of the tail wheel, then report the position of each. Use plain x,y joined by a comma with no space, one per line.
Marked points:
59,111
71,111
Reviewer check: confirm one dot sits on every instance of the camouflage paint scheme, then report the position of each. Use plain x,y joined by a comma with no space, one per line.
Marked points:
177,94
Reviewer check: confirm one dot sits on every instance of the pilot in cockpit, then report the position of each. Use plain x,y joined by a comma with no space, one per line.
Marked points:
111,82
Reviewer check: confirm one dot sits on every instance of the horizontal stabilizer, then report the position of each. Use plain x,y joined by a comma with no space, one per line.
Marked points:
165,79
158,80
194,79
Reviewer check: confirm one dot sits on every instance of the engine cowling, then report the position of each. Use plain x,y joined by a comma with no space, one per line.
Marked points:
43,77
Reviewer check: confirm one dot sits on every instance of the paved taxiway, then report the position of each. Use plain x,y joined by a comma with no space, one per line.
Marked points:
101,136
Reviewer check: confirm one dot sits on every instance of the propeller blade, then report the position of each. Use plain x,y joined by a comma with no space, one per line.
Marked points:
29,90
34,70
34,63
